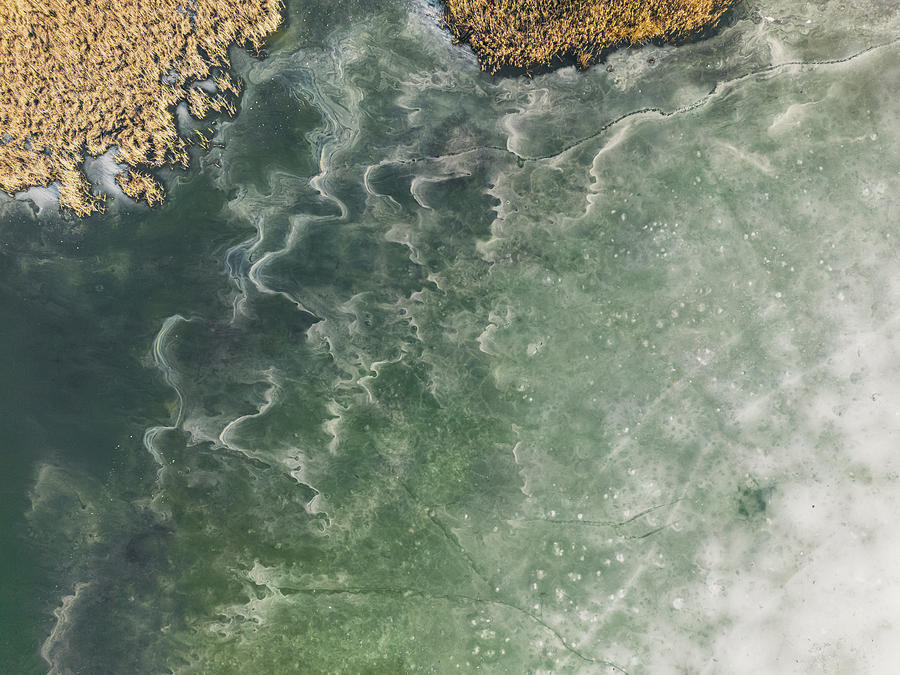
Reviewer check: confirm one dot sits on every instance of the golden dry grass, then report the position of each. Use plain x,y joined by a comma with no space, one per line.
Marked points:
530,33
78,77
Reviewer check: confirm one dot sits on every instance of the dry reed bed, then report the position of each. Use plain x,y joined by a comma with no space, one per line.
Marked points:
82,76
529,33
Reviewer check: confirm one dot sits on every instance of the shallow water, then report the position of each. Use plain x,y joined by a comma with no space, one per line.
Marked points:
424,370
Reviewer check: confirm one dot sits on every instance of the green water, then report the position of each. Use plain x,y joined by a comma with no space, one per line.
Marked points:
424,370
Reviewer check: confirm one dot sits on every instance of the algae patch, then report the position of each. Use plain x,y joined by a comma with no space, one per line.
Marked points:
530,33
79,78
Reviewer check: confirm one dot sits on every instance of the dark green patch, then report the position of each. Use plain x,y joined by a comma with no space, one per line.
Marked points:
752,500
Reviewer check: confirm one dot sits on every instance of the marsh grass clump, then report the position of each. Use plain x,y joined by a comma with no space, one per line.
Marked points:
141,187
79,77
525,34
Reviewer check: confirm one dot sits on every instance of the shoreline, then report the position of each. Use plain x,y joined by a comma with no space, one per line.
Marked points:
111,75
514,37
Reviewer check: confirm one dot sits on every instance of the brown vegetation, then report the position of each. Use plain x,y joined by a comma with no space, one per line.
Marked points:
78,77
529,33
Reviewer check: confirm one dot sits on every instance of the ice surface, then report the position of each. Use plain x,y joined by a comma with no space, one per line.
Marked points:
591,372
